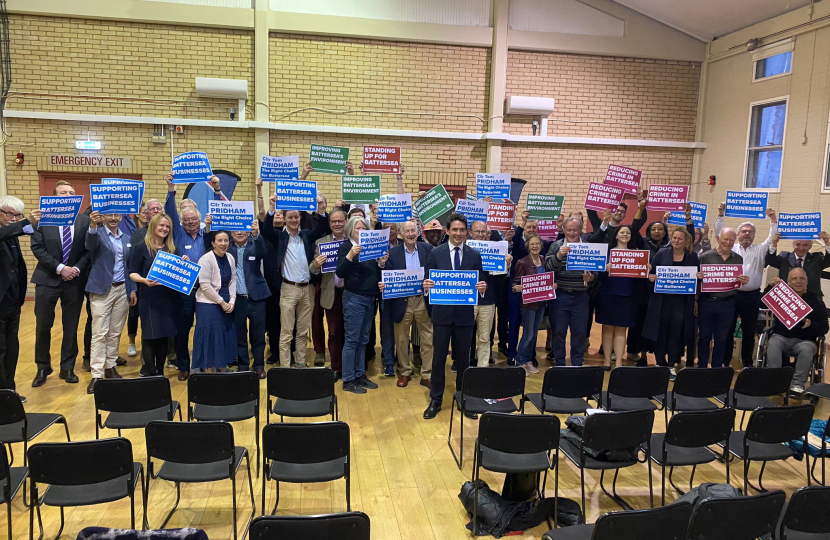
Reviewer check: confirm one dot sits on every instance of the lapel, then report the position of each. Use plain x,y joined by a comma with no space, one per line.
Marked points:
466,257
423,256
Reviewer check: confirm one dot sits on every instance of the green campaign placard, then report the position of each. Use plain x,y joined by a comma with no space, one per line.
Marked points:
434,204
328,159
546,207
361,189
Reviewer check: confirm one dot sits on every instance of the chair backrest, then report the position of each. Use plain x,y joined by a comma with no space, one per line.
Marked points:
703,382
807,511
617,430
644,382
300,384
741,518
11,408
132,395
663,523
190,442
314,442
573,381
221,389
489,383
80,463
764,382
346,526
779,424
518,434
700,428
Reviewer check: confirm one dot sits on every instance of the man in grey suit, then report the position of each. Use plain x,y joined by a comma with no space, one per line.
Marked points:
60,274
812,262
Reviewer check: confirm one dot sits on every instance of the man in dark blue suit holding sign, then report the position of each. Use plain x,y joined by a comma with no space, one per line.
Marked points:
451,322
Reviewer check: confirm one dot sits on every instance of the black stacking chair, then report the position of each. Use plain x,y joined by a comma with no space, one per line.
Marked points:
196,452
133,403
226,397
303,453
663,523
612,431
754,386
740,518
302,393
16,425
766,435
822,456
346,526
806,515
82,474
694,387
567,389
481,384
632,388
511,443
11,480
685,440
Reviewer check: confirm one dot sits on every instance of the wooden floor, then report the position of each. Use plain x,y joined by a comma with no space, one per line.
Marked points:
403,475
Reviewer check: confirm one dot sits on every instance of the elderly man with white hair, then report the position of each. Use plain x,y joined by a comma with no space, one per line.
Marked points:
13,284
746,301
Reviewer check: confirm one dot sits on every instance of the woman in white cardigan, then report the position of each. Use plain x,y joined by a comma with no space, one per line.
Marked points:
214,341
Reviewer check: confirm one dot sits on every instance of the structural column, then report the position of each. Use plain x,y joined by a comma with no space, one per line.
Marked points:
498,82
261,78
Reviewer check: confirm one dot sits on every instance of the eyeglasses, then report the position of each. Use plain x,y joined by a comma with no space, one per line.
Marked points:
12,214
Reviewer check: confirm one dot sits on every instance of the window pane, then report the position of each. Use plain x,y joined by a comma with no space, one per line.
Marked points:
764,170
774,65
827,168
768,125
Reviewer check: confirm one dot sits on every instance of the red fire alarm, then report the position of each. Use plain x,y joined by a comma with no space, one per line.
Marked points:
19,159
712,180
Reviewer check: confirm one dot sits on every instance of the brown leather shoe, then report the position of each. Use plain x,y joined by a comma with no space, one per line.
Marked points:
261,373
425,382
91,388
183,375
121,361
403,381
110,373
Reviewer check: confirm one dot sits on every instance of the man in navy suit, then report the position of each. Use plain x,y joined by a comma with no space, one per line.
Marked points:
410,255
451,323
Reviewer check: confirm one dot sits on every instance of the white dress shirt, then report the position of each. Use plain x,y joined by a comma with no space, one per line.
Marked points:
754,256
295,264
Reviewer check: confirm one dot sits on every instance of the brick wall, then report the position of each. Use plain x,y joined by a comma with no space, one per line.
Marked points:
104,67
607,97
350,74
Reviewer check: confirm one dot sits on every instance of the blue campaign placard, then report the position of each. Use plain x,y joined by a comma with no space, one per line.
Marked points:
115,198
591,257
492,254
374,244
273,168
174,272
495,185
191,167
231,215
59,211
746,204
453,288
676,280
804,226
395,208
296,195
402,283
139,183
698,215
473,210
329,249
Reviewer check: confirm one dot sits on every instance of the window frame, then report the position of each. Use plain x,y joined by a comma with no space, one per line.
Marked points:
825,181
768,51
748,148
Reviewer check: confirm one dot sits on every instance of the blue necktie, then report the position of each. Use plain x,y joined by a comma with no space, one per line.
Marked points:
457,260
66,244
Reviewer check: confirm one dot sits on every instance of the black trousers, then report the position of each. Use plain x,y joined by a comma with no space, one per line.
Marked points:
746,307
461,339
251,312
671,340
272,323
71,297
9,345
184,324
502,307
154,354
88,329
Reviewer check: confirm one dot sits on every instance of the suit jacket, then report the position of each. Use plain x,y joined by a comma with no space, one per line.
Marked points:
814,263
103,262
279,238
9,260
439,259
654,312
47,249
255,252
327,279
210,280
397,261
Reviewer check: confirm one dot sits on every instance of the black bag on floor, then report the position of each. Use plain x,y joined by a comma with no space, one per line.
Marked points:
709,490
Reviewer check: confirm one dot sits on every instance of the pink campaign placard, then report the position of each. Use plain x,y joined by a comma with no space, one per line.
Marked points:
602,196
500,216
667,197
628,263
623,177
720,277
538,288
547,229
786,305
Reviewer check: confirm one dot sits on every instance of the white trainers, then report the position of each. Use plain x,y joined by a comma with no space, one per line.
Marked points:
531,368
797,389
131,350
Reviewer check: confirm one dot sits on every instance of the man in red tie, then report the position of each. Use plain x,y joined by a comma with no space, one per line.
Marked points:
61,273
812,262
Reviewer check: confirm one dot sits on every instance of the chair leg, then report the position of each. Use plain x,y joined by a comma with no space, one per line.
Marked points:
746,476
253,501
175,505
274,511
265,473
63,522
650,484
760,488
556,493
807,460
671,481
663,484
692,478
9,515
256,435
582,484
348,487
458,459
743,416
132,511
613,495
233,490
145,524
475,499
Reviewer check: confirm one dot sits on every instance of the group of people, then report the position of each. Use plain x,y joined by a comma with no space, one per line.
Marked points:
271,282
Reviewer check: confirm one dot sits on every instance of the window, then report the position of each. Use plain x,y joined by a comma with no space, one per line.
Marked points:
765,148
772,66
827,161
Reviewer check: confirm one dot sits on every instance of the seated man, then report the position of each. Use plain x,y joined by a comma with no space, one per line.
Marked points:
801,340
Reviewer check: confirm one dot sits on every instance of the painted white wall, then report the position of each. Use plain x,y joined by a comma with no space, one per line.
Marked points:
213,3
563,17
456,12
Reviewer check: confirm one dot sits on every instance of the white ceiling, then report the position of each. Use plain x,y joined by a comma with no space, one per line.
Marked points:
708,19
